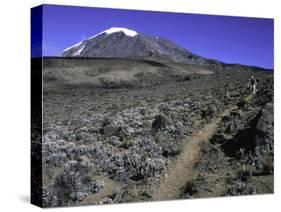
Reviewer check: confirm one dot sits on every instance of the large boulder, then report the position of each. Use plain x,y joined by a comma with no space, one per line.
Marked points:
110,130
265,122
161,122
242,104
220,138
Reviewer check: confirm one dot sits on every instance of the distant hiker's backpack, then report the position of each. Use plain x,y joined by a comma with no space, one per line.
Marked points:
253,82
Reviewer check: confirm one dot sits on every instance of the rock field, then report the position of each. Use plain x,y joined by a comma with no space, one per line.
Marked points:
113,145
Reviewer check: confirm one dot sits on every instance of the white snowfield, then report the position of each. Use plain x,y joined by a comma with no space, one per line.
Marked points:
73,46
111,30
127,32
78,52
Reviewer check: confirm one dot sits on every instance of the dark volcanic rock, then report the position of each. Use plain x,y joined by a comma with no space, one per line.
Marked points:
110,130
265,123
161,122
218,138
242,104
171,151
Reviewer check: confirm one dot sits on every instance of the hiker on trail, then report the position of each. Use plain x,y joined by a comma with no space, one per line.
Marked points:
253,83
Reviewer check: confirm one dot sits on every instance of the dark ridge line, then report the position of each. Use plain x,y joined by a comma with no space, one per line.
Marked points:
225,65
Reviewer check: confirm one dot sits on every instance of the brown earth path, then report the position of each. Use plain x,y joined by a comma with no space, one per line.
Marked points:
181,169
178,172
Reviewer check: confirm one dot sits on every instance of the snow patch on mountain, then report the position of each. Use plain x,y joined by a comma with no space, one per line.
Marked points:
127,32
111,30
73,46
78,52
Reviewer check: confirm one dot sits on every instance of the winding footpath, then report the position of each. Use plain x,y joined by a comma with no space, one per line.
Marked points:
181,169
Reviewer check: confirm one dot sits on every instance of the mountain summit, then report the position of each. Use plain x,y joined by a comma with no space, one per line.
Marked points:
119,42
127,32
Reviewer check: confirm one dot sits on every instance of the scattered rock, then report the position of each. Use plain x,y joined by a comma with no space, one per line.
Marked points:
242,104
127,140
110,130
171,151
219,138
161,122
265,123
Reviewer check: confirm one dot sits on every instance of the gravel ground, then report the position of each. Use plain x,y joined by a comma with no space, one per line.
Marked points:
128,136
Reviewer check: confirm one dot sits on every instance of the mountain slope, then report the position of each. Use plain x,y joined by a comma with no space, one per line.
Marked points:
125,43
128,44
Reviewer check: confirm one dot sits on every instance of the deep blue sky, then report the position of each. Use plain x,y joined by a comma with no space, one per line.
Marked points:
241,40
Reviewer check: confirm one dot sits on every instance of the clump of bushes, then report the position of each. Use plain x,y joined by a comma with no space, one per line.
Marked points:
238,188
73,185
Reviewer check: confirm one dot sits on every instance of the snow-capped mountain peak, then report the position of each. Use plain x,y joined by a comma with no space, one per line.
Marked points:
127,32
118,42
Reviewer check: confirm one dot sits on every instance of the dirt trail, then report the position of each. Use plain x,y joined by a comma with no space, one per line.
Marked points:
181,169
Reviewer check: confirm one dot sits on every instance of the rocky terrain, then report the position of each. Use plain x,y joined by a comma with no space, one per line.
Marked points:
128,130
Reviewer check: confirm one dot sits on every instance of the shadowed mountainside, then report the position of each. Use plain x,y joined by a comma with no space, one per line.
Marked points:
125,43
